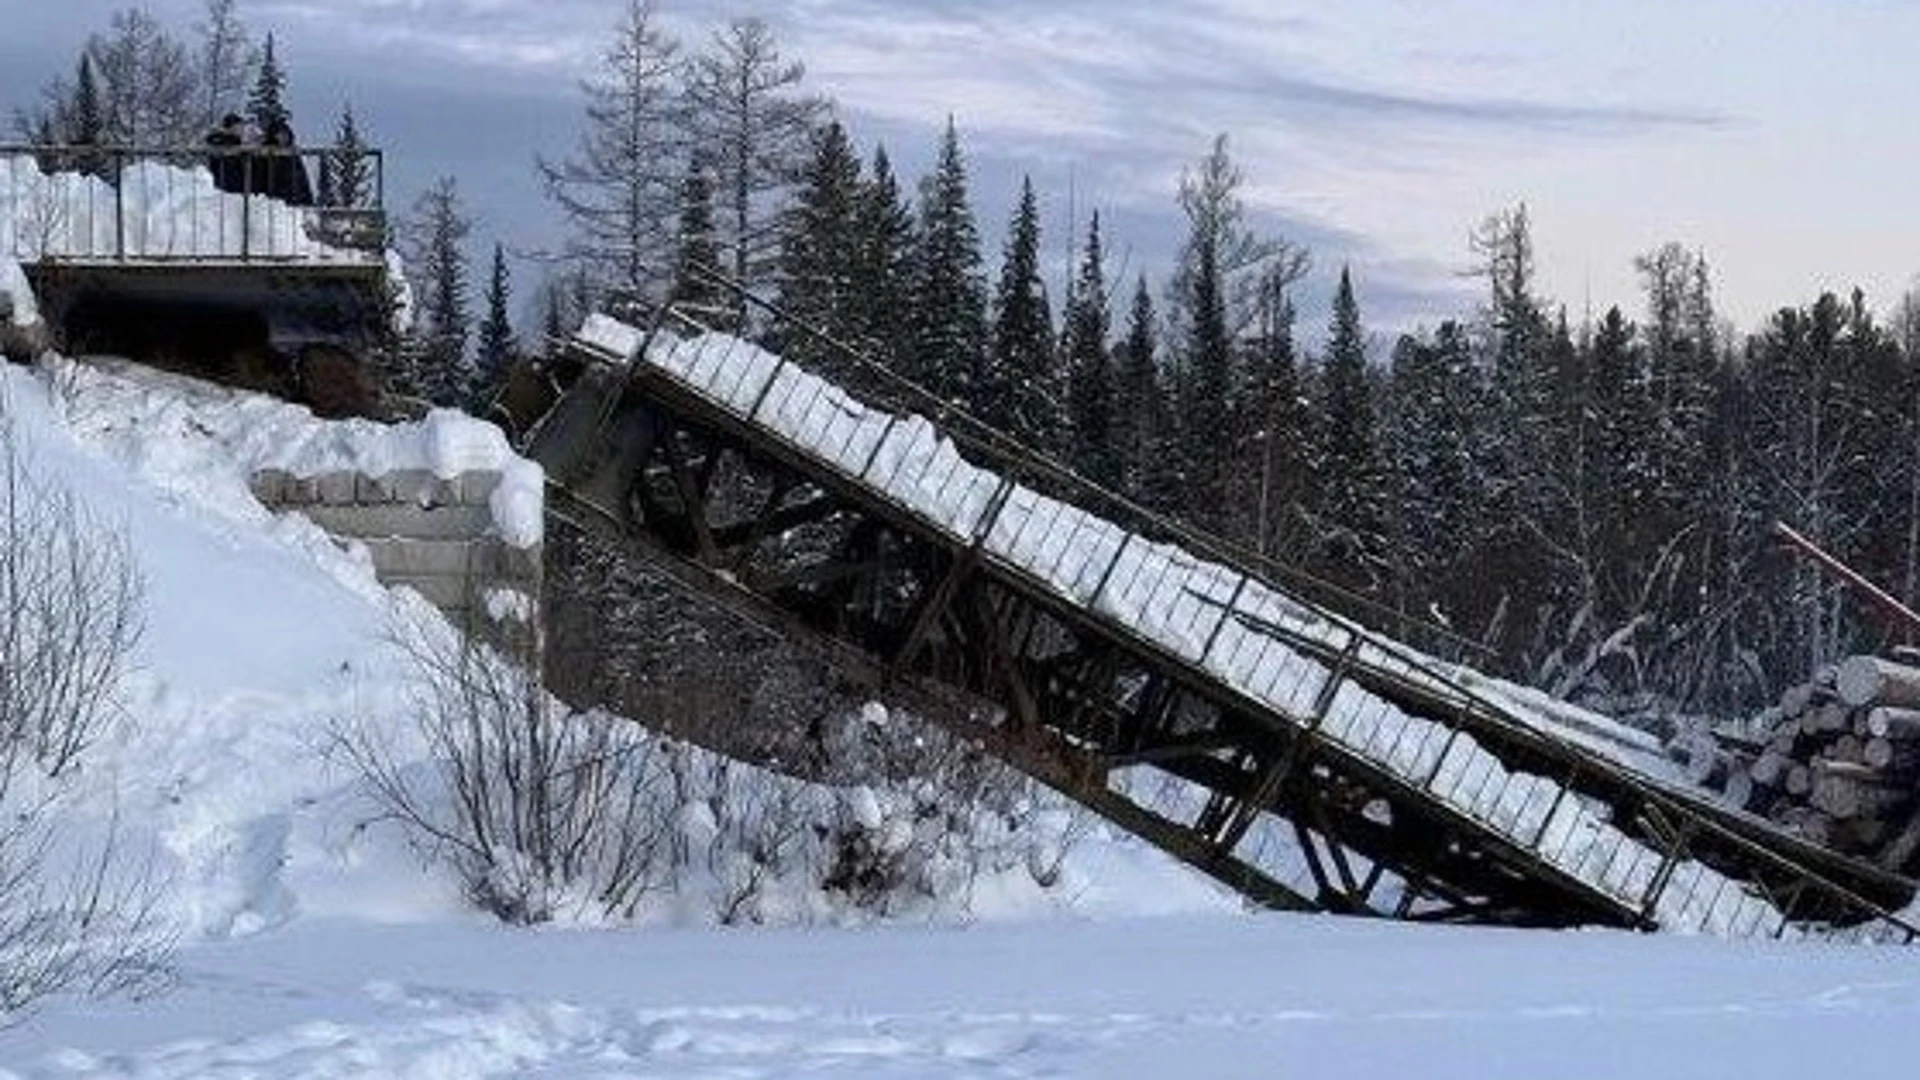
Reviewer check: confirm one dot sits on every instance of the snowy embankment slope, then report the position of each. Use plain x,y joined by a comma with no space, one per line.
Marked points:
262,635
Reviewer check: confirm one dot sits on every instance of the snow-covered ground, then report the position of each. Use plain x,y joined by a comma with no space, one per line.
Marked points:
1115,997
314,945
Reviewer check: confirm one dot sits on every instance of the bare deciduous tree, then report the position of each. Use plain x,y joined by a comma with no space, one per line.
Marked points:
754,127
618,190
149,83
227,56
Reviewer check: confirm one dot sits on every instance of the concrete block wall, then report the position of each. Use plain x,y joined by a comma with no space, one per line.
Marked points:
432,534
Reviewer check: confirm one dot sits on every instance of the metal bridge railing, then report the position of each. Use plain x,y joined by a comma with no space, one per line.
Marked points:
861,372
144,204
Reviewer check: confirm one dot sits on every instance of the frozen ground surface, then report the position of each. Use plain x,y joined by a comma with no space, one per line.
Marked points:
1112,997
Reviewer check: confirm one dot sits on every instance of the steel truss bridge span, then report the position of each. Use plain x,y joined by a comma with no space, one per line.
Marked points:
1210,702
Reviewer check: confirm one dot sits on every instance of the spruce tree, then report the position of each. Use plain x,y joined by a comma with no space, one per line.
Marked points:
949,298
820,253
1091,390
265,102
883,272
696,254
86,124
1016,392
553,319
1426,449
1204,382
436,234
1351,510
497,350
1271,481
1143,421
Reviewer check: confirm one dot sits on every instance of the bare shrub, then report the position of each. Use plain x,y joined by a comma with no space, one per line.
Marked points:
69,616
74,915
529,805
925,814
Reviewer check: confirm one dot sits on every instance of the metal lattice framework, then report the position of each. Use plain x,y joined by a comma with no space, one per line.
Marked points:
1359,777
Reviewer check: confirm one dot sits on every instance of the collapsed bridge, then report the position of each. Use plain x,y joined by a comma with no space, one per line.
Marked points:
1201,698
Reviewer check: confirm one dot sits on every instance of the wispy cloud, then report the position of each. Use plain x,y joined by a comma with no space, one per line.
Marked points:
1376,130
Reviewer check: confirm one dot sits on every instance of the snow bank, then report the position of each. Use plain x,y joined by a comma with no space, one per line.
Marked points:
156,211
1206,998
148,415
19,294
611,336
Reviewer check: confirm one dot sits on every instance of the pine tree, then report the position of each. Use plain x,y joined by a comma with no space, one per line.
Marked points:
696,253
619,190
883,272
1017,392
497,350
265,102
820,254
949,299
1091,390
436,234
1351,510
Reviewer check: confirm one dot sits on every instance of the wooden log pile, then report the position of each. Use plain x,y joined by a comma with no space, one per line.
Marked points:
1836,760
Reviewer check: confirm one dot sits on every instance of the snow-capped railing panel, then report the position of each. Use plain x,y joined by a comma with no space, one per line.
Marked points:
92,205
1317,673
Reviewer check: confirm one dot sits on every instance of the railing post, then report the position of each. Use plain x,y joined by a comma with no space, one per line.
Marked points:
753,411
119,204
1226,614
878,444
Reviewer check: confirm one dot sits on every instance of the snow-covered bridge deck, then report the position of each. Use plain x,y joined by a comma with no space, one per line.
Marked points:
82,206
1278,746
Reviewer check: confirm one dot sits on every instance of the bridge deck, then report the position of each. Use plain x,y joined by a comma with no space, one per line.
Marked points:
1378,758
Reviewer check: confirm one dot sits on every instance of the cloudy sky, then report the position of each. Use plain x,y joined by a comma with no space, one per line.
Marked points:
1766,133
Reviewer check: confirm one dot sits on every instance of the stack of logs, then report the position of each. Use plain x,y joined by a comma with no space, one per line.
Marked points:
1837,761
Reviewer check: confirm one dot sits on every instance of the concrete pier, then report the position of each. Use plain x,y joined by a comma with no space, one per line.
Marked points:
435,535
